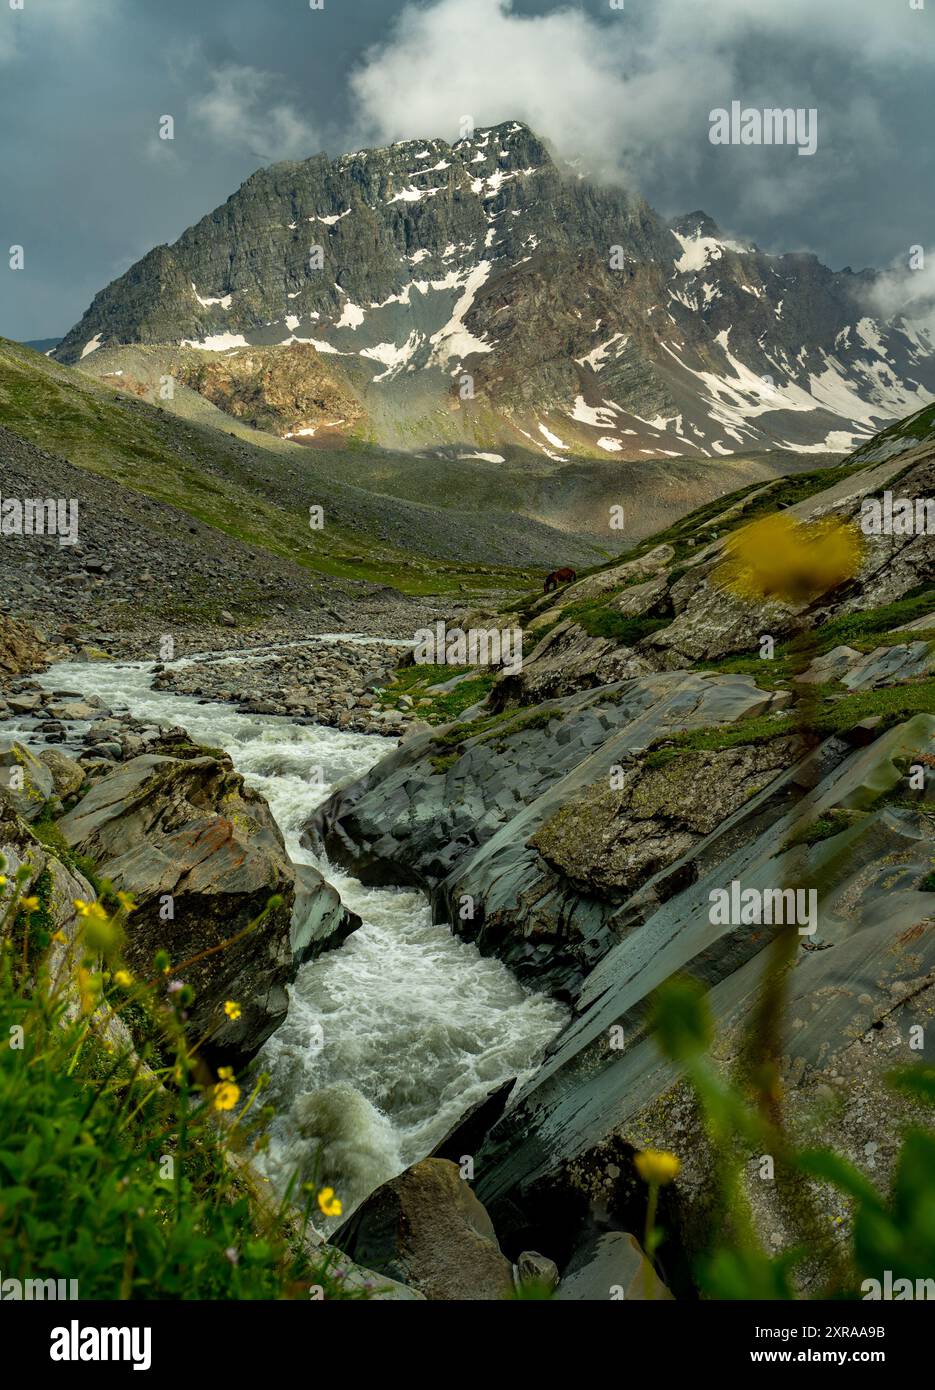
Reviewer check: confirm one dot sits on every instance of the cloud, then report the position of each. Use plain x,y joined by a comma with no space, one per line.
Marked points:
906,290
632,92
243,107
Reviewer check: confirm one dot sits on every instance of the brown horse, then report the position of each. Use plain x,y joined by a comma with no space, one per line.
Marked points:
552,581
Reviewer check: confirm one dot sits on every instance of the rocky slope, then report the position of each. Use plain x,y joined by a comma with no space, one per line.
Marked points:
576,822
585,323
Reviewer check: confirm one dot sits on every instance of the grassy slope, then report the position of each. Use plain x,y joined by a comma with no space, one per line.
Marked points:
256,494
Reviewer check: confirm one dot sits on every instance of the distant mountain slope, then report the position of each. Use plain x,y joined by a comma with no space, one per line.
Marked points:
44,345
483,293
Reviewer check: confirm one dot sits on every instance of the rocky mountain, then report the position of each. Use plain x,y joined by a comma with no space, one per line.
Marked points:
485,295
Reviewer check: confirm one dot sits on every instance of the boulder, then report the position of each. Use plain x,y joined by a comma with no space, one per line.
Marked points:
28,702
427,1230
611,839
67,775
535,1271
73,709
26,780
320,921
565,660
610,1266
185,837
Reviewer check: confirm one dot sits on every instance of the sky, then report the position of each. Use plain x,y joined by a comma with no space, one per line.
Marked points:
87,186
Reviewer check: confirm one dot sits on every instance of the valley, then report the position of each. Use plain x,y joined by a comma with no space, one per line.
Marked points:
474,589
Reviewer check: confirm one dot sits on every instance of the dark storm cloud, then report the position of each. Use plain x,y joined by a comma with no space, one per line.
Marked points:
86,185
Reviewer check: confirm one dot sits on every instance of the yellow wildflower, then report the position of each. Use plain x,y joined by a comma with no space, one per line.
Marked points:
226,1095
790,561
226,1073
60,938
89,984
123,978
329,1203
30,904
232,1010
126,902
657,1166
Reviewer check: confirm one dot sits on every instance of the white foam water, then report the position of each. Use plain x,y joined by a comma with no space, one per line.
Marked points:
390,1039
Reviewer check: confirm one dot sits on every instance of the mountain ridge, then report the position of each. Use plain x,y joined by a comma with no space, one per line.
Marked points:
488,293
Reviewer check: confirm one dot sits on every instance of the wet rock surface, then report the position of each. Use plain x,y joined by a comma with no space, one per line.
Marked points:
458,813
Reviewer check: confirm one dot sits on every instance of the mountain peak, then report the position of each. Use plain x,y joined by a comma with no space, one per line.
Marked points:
695,224
475,291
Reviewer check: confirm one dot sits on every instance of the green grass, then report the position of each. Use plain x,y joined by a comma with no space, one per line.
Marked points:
599,619
831,823
437,708
862,630
124,1178
831,715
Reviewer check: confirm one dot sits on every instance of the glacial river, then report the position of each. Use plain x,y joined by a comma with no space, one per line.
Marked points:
389,1039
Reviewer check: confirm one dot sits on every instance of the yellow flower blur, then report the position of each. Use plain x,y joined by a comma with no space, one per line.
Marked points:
226,1095
329,1203
657,1166
792,561
232,1010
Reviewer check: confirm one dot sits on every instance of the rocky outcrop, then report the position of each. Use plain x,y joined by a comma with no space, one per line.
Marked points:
861,980
202,857
566,659
426,1229
25,780
289,392
612,838
21,648
457,813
